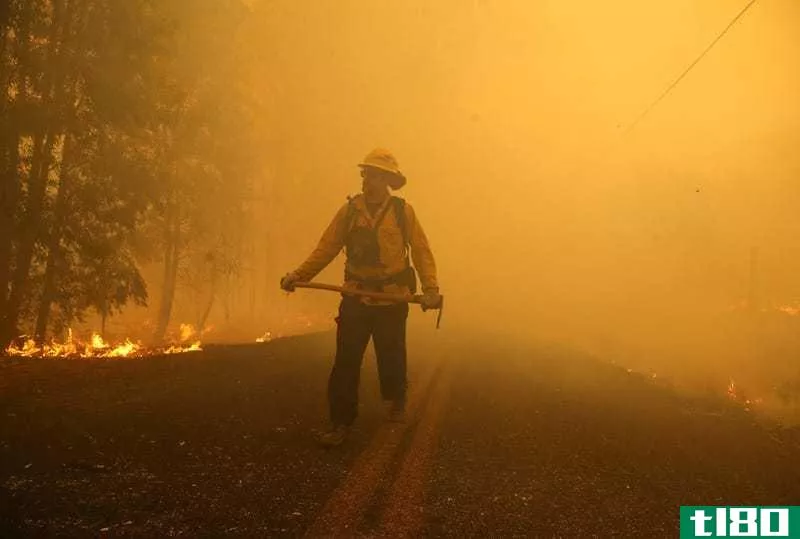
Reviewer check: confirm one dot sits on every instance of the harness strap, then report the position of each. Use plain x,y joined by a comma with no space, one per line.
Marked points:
399,214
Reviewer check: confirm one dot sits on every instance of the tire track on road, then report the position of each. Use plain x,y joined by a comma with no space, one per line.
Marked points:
404,512
344,511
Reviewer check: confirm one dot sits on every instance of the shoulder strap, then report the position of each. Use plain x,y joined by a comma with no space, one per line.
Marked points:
400,215
383,213
351,214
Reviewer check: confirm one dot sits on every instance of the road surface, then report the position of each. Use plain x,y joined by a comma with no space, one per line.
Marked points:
501,440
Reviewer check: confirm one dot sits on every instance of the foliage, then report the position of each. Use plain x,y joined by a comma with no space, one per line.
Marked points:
124,135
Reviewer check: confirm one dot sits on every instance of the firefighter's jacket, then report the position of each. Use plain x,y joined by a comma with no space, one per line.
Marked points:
351,229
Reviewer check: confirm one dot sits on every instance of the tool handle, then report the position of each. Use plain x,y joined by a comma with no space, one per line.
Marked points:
380,296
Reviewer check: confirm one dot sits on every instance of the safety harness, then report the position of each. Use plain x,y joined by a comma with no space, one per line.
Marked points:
363,249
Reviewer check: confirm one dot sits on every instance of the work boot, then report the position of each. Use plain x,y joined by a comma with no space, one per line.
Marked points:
335,436
397,411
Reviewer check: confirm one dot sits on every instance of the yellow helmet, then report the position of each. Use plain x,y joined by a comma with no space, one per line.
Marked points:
384,160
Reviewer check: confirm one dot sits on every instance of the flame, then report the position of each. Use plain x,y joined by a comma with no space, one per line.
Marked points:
96,347
176,349
266,337
732,390
97,342
28,348
126,349
789,309
187,331
735,393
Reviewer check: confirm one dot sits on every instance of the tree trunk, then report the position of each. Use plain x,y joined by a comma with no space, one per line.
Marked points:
53,245
207,311
53,96
9,173
5,15
5,25
49,290
212,296
171,260
228,298
29,232
9,198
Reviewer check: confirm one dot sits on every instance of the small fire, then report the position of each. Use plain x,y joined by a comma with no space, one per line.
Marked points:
174,349
126,349
266,337
100,348
28,348
735,393
187,331
97,342
732,390
97,347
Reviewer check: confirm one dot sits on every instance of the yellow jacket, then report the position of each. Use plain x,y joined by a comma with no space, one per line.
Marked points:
393,254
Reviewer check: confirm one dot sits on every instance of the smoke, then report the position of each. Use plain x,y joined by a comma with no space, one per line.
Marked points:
550,217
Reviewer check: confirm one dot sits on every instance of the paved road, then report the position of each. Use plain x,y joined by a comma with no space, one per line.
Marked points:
501,440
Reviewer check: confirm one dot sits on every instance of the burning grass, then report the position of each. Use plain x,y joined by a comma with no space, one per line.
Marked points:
95,347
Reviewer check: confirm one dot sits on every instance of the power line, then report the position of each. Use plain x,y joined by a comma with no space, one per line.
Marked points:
686,71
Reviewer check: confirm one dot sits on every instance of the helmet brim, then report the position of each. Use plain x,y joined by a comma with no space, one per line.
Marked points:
397,181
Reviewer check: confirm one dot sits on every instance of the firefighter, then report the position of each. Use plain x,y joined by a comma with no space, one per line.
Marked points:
378,232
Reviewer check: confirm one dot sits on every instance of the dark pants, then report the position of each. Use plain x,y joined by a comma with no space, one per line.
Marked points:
356,323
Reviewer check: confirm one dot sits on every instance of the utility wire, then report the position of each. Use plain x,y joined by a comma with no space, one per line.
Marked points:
686,71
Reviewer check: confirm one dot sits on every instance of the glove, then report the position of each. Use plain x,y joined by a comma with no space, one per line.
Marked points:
288,281
431,300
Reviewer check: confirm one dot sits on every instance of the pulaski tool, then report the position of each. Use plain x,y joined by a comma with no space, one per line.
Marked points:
379,296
